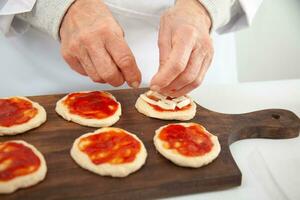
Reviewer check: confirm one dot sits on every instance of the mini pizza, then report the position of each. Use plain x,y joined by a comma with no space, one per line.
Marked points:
19,114
109,152
187,144
21,166
153,104
91,108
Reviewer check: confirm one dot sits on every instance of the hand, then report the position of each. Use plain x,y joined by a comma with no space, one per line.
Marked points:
93,44
185,48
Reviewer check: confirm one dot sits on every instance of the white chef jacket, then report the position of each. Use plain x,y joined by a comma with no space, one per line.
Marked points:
31,63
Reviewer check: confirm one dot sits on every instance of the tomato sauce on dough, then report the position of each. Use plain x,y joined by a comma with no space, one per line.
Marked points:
95,105
15,111
16,160
188,141
113,146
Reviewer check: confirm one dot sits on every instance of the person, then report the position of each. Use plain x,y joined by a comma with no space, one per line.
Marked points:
114,42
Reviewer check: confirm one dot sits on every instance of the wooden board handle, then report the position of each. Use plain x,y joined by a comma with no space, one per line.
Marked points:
272,123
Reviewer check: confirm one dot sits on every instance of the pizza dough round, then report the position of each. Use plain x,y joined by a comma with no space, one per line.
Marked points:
181,114
27,180
34,122
106,168
183,160
64,111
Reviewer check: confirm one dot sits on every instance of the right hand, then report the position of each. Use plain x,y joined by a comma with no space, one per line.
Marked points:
93,44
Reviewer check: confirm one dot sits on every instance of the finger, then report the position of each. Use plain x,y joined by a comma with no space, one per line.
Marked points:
105,66
188,76
175,64
88,66
164,42
74,63
197,82
124,59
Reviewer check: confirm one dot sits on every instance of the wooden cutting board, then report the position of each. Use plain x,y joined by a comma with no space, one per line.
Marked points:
158,177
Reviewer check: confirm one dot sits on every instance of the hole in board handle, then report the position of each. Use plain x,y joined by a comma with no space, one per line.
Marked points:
275,116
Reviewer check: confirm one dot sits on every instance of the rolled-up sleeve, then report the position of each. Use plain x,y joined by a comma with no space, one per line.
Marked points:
231,15
8,10
47,15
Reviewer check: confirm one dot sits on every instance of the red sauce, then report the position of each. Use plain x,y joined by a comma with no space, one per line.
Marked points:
15,111
188,141
16,160
97,105
159,109
114,147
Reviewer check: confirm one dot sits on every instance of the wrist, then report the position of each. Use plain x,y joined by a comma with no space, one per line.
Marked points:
78,12
198,8
68,15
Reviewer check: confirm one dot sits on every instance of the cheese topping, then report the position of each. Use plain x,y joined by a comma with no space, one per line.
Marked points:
165,102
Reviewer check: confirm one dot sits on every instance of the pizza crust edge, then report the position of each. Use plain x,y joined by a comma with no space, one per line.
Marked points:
63,111
29,179
121,170
184,161
144,108
35,122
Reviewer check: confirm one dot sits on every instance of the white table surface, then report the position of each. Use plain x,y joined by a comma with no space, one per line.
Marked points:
270,168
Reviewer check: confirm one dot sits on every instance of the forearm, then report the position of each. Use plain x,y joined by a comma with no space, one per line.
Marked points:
47,15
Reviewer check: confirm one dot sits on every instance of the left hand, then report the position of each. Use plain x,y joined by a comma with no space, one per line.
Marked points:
185,48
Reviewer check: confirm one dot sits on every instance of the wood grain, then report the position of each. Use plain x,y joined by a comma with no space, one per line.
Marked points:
159,177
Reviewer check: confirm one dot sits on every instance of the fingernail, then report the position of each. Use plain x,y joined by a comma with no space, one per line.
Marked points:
155,88
135,84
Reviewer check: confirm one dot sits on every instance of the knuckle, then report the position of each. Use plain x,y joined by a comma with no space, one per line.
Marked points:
108,30
104,31
191,31
193,77
84,37
196,83
118,83
179,67
188,31
117,31
164,83
206,45
108,76
188,78
125,62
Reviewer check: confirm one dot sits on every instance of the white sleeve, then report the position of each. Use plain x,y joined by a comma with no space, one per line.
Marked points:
231,15
47,15
8,10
